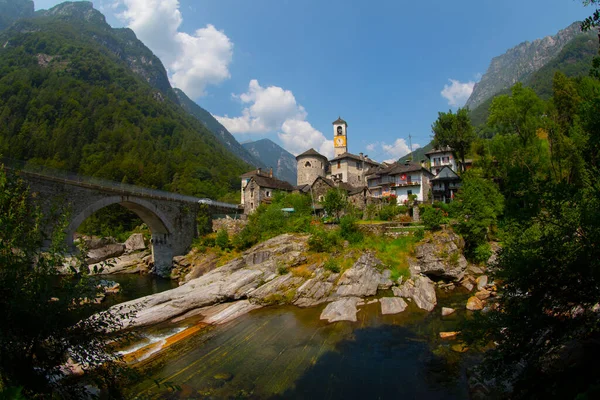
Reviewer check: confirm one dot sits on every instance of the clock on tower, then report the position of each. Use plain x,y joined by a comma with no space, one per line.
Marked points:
340,136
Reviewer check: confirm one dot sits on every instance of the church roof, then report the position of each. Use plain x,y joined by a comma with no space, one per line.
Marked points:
339,121
311,152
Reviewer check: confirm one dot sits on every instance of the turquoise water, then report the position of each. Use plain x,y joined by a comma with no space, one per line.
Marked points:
287,352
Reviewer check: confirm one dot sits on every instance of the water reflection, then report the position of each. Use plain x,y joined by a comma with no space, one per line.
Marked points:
286,352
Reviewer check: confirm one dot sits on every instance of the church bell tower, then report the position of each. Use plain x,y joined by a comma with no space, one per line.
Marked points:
340,142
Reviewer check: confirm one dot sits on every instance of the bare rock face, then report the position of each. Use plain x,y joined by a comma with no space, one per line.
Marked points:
235,280
341,310
93,242
103,253
275,288
135,242
421,289
316,290
126,264
363,279
392,305
441,257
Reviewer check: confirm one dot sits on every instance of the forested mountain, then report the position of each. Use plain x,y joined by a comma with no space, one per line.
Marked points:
274,156
418,154
220,132
11,10
79,95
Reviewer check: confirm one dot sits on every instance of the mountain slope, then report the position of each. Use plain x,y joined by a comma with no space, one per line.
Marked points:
575,59
12,10
519,63
276,157
418,154
214,126
76,94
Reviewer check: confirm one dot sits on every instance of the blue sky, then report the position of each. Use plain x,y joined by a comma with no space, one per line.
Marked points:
286,69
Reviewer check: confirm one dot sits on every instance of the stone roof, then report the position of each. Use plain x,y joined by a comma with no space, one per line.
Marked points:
303,188
311,152
354,157
272,183
339,121
446,149
446,174
396,169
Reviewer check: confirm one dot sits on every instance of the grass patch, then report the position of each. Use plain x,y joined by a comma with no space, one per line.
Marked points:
393,253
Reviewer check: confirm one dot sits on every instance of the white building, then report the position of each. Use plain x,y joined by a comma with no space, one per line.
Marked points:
439,158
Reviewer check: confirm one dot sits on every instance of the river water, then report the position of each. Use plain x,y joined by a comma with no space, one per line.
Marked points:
287,353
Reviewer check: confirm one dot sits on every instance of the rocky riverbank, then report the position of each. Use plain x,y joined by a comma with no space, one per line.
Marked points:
281,270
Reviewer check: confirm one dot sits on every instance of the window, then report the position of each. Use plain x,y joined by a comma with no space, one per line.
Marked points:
339,164
409,192
252,193
268,194
307,164
445,160
321,198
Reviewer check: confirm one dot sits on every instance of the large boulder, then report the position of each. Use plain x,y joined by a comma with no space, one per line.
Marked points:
421,289
474,304
363,279
104,253
392,305
135,242
440,256
341,310
126,264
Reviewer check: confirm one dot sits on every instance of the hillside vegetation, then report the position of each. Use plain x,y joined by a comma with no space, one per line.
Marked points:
70,100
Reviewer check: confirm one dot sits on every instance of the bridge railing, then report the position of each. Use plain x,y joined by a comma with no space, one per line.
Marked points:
104,184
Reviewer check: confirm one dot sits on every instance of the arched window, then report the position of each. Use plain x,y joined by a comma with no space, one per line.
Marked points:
307,164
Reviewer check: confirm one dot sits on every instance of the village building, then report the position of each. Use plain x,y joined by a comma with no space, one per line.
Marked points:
440,158
259,187
445,185
401,180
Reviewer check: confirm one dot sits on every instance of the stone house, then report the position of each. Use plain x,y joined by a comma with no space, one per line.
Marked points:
259,188
401,180
350,168
445,185
439,158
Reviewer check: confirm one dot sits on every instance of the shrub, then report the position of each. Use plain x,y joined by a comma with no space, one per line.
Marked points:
332,266
371,212
282,269
388,212
432,217
419,234
322,241
222,239
482,253
349,230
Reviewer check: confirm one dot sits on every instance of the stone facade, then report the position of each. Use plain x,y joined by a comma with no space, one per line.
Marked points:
260,189
310,166
350,168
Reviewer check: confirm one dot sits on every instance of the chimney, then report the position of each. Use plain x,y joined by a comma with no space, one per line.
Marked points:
271,172
362,157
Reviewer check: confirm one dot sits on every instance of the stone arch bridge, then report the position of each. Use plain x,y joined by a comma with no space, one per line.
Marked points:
171,217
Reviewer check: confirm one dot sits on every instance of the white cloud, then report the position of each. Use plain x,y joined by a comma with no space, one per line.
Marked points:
298,136
397,149
457,93
267,109
274,109
193,61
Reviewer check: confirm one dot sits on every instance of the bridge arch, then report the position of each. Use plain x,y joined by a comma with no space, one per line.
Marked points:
159,224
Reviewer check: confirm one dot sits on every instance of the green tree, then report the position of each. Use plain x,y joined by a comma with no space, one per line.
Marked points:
454,130
44,320
334,202
477,206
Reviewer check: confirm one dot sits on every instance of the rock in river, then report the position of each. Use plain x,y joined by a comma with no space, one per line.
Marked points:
421,289
392,305
362,279
341,310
